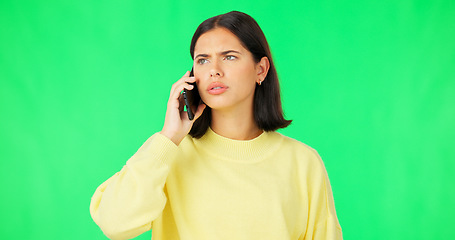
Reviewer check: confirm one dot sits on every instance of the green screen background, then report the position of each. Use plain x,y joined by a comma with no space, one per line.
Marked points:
369,84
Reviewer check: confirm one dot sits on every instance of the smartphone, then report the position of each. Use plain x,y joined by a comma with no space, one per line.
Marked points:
192,98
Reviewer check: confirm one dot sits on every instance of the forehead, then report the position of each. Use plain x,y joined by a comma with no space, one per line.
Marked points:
218,40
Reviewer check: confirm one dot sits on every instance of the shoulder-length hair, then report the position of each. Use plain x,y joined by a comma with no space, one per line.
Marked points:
267,110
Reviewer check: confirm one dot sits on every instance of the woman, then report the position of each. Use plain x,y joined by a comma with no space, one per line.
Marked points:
226,174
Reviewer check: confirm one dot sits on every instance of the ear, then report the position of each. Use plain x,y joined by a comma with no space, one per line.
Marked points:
262,69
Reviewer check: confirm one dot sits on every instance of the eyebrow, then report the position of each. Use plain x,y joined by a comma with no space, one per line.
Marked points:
222,53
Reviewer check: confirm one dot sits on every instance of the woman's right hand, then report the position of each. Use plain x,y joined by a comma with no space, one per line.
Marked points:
177,124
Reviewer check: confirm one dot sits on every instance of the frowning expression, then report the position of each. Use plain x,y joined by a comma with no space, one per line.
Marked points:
225,70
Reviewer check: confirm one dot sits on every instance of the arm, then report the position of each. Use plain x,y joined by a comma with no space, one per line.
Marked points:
322,219
125,205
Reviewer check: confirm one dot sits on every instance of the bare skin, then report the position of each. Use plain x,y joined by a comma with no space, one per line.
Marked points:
220,59
177,124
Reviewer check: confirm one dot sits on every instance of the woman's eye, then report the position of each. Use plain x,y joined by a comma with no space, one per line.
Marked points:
230,57
202,61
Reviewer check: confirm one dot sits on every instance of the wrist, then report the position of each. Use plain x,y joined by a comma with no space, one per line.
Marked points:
173,136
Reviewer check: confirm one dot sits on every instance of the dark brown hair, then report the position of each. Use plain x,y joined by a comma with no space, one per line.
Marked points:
268,113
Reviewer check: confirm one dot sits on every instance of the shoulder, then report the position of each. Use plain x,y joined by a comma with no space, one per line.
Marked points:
301,151
296,145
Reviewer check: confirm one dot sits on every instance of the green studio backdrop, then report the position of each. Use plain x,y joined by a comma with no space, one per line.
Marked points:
369,84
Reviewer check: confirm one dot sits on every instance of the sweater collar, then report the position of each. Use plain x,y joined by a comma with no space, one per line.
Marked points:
239,150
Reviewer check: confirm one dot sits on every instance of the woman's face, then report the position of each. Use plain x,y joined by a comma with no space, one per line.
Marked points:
225,72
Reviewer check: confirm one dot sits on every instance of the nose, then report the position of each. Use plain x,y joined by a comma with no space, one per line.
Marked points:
216,71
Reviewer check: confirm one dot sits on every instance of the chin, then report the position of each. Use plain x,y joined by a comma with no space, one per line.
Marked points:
227,101
217,105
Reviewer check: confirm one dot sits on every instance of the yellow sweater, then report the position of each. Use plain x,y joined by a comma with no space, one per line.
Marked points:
270,187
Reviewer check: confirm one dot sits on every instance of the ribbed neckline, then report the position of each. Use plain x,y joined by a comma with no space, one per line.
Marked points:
253,150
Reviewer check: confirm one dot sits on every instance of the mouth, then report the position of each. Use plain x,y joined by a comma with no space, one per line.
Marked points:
216,88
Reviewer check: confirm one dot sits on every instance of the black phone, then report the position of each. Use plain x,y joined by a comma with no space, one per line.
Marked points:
191,98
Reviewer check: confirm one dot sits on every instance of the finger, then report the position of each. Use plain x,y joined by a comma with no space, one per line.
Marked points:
184,81
187,78
175,92
184,78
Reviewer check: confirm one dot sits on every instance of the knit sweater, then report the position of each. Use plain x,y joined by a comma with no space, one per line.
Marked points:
270,187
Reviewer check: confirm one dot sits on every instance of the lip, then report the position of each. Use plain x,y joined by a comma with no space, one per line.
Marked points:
216,88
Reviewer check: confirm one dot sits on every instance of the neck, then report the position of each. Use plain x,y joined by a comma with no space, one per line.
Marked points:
235,124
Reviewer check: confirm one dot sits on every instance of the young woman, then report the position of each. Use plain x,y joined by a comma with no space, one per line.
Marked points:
226,174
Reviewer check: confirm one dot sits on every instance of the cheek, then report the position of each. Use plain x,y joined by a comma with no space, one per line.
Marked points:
246,72
200,74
